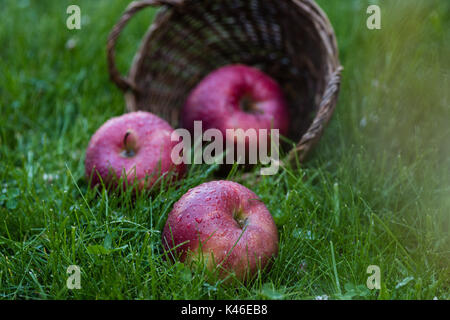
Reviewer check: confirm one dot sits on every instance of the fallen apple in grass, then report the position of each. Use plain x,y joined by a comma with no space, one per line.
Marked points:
138,145
225,225
237,97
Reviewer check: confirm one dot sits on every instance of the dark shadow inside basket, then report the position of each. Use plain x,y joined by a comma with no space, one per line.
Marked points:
189,41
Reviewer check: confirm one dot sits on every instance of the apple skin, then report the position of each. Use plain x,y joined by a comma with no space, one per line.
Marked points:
217,101
145,154
210,219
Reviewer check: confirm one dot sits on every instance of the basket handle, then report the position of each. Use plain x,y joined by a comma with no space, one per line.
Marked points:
122,81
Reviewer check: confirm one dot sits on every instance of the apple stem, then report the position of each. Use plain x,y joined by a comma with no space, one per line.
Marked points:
125,138
129,147
248,104
239,218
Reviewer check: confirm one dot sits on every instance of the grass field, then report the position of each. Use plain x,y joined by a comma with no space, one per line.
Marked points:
376,190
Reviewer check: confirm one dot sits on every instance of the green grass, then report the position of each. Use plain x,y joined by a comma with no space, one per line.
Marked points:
374,192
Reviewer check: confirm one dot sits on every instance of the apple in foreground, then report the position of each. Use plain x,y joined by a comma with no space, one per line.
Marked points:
137,144
225,225
236,97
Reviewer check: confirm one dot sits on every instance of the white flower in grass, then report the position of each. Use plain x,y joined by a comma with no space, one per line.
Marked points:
48,177
363,122
322,297
71,43
375,83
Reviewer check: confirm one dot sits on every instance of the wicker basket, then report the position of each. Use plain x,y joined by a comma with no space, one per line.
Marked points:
291,40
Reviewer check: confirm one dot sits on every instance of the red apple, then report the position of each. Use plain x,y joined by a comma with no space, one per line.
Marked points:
138,144
225,224
237,97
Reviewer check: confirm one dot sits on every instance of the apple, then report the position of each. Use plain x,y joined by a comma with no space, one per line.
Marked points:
236,97
137,144
225,225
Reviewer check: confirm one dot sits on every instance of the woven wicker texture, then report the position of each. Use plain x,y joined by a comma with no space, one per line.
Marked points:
290,40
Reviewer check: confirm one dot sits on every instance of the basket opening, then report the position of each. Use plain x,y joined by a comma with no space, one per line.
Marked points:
191,40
